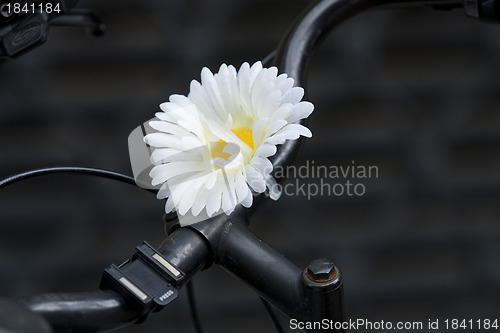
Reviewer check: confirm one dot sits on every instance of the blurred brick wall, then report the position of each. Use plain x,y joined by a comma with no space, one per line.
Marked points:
414,92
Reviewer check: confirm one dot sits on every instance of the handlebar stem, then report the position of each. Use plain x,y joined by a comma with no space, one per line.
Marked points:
270,274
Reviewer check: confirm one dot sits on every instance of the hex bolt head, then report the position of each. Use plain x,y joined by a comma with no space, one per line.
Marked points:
321,270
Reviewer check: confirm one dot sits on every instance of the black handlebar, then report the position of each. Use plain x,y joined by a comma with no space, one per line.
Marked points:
82,312
104,310
225,240
296,48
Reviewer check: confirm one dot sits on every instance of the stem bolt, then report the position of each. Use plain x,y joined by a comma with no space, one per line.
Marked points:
321,270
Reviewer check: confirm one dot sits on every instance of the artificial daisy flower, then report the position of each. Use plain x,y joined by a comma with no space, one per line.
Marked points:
212,147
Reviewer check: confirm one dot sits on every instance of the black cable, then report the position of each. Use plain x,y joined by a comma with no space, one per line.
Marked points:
192,308
272,313
68,170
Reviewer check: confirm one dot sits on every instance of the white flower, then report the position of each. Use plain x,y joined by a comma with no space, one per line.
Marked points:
212,147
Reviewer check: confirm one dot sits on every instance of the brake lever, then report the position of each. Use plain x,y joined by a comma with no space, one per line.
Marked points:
26,28
84,18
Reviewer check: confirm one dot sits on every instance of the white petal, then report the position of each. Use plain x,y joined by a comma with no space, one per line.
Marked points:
247,202
191,142
258,131
293,131
188,199
211,180
168,107
241,187
164,140
166,116
289,132
214,200
266,150
194,127
179,191
228,203
276,139
284,83
300,111
165,155
269,103
200,96
200,202
255,179
293,95
180,100
262,165
244,85
260,91
189,117
283,112
167,127
229,195
169,205
163,192
226,81
229,122
162,173
275,127
214,95
254,71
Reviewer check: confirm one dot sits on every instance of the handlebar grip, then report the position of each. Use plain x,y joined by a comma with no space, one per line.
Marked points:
14,318
82,312
105,310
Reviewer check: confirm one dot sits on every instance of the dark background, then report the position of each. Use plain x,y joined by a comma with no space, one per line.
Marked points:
414,92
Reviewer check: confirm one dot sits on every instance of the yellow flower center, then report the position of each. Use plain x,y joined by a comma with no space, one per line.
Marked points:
242,132
245,134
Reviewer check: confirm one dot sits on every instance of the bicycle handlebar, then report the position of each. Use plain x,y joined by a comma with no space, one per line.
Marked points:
296,48
226,240
82,312
320,17
104,310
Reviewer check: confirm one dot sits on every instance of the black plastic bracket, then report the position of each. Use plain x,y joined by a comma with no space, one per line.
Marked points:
147,280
